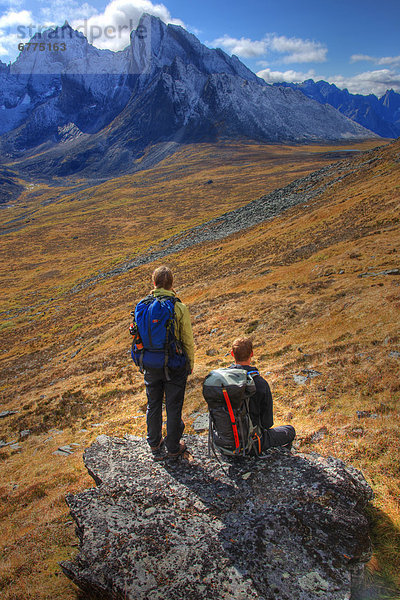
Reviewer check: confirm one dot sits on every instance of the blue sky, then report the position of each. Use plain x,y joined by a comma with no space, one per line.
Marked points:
352,43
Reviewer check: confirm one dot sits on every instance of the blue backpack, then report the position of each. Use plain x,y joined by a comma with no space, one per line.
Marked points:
155,345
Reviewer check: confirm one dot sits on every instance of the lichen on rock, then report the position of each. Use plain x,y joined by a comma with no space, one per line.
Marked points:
283,526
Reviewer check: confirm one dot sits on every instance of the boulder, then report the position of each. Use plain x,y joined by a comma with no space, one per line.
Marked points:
282,526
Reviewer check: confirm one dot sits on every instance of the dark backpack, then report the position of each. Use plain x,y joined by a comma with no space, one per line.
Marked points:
227,393
155,345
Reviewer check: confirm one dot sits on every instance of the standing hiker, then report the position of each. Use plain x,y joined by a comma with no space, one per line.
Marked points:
163,348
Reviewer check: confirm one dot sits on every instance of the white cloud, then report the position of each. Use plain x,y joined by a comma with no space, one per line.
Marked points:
297,50
111,28
9,44
369,82
14,18
384,60
360,57
9,39
241,47
290,76
389,60
70,9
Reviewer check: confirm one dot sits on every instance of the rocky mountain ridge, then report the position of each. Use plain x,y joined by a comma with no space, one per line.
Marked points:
381,115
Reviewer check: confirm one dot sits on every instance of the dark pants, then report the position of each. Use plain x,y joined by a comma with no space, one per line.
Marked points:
157,387
278,436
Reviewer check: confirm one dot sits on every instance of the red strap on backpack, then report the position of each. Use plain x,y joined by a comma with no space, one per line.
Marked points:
232,416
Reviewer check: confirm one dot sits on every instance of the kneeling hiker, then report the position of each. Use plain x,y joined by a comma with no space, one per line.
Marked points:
163,348
241,409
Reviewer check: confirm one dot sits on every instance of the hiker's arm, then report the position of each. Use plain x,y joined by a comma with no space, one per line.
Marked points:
185,333
267,417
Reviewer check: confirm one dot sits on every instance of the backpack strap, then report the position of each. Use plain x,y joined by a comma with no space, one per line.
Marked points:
253,372
232,417
167,330
178,343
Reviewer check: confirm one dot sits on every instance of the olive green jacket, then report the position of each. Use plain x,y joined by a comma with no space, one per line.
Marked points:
183,330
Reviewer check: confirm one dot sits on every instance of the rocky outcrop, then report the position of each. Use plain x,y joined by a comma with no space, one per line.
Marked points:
285,526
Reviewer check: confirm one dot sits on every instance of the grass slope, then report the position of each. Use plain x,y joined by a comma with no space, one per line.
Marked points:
313,287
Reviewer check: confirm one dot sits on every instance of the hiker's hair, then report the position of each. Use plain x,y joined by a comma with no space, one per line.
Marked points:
242,348
162,277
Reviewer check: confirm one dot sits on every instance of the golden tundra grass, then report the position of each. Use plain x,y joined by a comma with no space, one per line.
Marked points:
293,283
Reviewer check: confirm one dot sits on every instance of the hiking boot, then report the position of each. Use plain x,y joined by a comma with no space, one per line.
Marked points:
183,451
159,452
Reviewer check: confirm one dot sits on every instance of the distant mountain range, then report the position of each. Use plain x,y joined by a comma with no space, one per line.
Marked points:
96,112
381,116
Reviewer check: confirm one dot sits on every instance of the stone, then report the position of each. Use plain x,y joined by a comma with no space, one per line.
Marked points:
300,379
311,373
386,272
7,413
357,432
319,435
366,414
211,352
394,354
201,422
307,374
208,530
24,434
3,443
64,451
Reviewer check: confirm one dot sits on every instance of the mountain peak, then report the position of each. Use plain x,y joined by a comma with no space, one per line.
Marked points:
155,44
